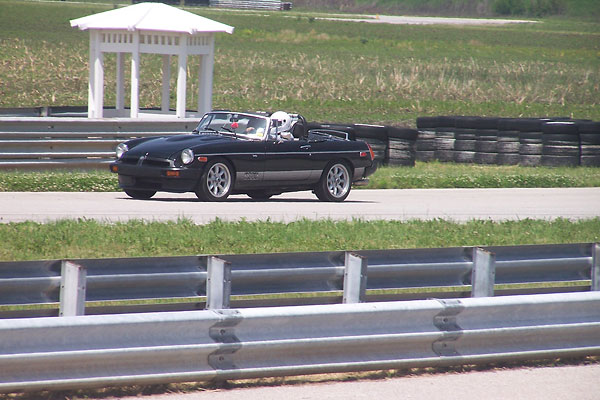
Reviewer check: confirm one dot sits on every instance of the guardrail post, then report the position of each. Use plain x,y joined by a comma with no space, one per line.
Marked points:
483,276
218,284
72,289
595,267
355,278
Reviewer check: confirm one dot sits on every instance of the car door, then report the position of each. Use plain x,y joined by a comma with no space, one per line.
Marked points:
288,161
249,160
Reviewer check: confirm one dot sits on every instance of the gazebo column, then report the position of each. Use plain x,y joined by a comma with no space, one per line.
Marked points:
181,77
166,70
96,82
135,76
120,92
205,83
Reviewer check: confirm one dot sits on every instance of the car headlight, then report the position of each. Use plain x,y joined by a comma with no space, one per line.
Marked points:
121,149
187,156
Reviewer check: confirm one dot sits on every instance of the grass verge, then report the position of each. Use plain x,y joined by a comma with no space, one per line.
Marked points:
326,70
422,176
69,239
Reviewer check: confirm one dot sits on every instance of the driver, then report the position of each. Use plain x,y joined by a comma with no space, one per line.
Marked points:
285,125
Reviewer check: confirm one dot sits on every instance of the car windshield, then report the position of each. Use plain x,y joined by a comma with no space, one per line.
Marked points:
248,126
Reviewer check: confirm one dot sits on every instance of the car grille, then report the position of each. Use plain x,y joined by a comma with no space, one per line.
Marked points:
130,160
147,161
154,162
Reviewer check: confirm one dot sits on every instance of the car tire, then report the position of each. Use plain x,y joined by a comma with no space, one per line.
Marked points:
216,182
335,183
140,194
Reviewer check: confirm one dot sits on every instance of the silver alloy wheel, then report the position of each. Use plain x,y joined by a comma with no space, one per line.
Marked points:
338,180
218,180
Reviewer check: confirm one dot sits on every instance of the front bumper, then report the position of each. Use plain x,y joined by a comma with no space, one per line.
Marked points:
163,179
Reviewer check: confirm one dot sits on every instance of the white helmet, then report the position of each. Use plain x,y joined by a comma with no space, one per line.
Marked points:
285,120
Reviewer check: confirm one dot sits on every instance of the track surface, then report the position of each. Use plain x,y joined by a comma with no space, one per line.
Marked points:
452,204
557,383
409,20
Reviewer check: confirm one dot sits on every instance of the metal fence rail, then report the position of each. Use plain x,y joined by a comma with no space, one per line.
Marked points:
252,4
88,351
33,288
63,142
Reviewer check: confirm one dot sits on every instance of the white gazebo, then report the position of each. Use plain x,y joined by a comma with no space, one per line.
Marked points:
152,28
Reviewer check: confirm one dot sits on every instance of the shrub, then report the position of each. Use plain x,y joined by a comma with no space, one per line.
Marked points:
536,8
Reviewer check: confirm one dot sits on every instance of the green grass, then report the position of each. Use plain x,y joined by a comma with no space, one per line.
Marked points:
478,8
422,176
91,239
449,175
327,70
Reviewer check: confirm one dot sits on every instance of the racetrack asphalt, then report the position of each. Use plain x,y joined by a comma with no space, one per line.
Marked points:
580,382
404,204
411,20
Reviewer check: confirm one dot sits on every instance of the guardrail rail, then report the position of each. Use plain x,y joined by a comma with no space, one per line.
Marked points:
362,333
118,285
105,350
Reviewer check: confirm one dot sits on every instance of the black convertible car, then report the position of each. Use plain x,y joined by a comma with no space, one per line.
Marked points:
258,154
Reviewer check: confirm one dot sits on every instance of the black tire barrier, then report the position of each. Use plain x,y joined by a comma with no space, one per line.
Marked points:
378,132
559,161
444,144
508,159
485,158
555,141
348,128
530,160
425,156
427,122
590,161
530,149
464,145
464,157
567,151
394,132
402,143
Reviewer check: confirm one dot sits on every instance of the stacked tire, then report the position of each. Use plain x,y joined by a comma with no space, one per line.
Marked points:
465,136
508,143
444,139
560,144
425,146
530,140
486,140
589,139
401,146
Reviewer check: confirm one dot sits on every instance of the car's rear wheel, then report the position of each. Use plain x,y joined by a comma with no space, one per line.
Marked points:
140,194
335,183
216,182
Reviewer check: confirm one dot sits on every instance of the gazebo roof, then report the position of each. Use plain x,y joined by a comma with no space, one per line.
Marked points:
152,17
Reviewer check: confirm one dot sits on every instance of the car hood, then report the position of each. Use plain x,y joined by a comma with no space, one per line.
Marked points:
166,146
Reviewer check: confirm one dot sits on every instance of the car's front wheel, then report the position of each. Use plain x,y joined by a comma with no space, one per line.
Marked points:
140,194
216,182
335,183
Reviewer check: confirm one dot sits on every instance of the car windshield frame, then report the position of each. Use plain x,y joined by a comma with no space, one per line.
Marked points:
239,125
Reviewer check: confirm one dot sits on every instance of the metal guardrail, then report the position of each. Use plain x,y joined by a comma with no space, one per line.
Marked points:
63,142
252,4
106,350
118,285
